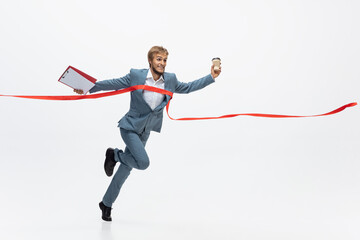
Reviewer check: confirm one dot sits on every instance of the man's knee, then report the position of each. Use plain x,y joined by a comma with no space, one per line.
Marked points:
144,164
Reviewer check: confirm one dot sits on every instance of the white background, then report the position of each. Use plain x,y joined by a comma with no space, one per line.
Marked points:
241,178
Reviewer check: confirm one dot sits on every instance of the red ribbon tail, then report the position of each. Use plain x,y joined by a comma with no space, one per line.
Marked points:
264,115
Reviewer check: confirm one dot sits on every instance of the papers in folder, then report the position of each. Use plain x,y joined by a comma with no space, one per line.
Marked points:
77,79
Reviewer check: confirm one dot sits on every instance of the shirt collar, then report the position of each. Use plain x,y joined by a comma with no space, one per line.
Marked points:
149,75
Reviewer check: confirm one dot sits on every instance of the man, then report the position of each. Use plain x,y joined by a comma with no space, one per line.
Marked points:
145,115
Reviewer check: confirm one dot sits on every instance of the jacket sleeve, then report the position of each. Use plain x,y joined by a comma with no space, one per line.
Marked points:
194,85
111,84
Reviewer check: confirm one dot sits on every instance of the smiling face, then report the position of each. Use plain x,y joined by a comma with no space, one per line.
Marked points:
158,63
157,58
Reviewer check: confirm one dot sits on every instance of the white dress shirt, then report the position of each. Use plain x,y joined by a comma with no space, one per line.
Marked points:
153,99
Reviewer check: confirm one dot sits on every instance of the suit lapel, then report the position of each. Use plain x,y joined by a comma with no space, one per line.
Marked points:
140,80
167,97
142,77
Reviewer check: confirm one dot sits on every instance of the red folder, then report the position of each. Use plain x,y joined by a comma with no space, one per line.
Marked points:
77,79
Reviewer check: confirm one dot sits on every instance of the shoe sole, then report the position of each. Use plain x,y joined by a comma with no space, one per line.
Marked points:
107,155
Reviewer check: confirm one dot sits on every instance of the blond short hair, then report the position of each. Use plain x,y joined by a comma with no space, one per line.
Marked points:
155,50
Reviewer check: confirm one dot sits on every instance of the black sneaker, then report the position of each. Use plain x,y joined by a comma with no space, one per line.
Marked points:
106,212
110,162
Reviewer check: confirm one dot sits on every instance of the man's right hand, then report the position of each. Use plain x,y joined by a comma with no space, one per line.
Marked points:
78,91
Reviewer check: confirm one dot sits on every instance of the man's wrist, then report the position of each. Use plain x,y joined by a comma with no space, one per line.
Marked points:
213,77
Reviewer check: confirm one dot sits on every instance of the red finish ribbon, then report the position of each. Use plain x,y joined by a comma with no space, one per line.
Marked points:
162,91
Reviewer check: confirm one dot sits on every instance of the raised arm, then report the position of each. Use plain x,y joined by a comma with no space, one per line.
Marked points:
197,84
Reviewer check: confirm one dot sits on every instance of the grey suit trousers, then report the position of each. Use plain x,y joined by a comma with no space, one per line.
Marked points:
134,156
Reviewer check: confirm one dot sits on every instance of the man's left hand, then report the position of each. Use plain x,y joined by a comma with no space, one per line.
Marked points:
214,73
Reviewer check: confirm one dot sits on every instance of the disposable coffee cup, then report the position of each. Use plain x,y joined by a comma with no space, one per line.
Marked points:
216,62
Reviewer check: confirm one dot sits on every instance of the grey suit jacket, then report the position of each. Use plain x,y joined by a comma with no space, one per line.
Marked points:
140,116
